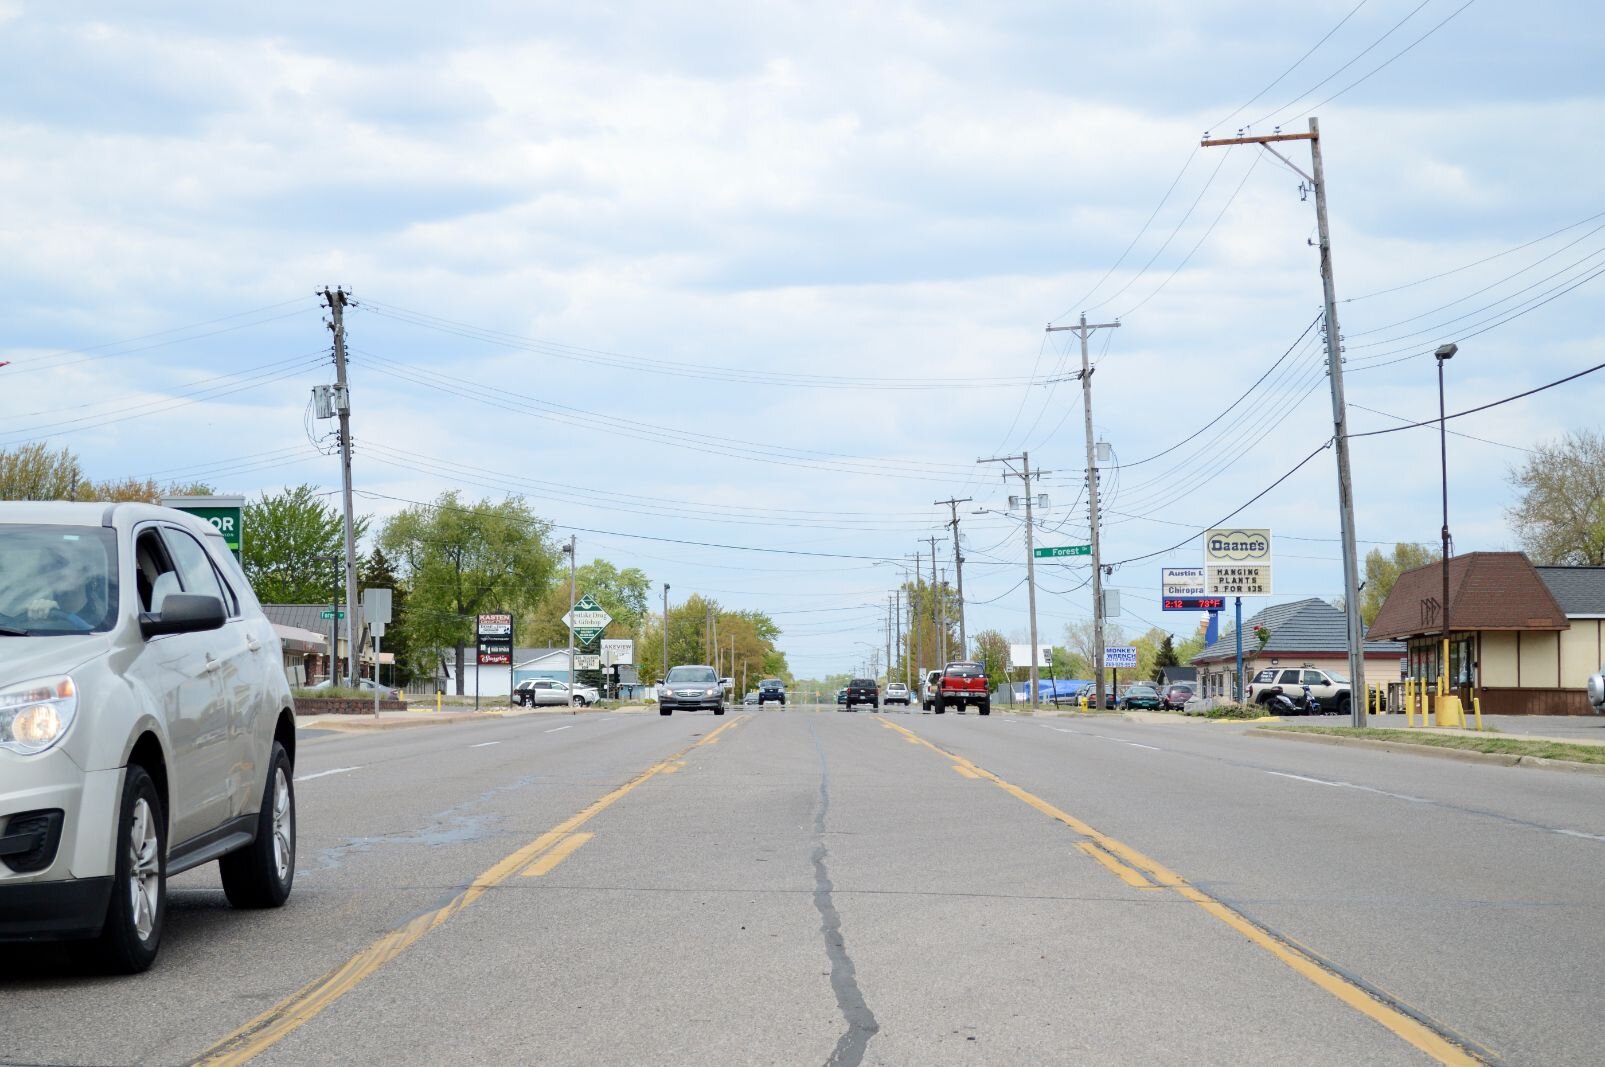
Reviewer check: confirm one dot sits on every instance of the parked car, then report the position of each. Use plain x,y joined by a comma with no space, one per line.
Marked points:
841,695
897,693
548,692
1175,697
771,689
863,691
1329,690
690,688
928,690
1141,696
963,683
387,692
146,727
1596,690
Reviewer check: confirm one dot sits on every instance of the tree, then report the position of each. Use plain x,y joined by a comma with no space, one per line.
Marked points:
294,546
1078,640
622,594
35,472
463,559
992,650
1560,517
1382,573
752,634
1166,655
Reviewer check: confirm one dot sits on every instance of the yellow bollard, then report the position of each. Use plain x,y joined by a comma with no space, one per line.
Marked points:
1476,709
1409,702
437,701
1447,708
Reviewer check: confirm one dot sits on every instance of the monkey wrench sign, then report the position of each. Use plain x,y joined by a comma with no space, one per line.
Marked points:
1237,562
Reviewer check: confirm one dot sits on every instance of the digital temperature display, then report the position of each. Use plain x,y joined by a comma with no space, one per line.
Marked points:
1195,603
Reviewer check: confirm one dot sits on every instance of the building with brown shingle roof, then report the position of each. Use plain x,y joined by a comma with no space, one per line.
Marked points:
1525,638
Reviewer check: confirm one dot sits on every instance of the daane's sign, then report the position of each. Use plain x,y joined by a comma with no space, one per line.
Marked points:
1237,546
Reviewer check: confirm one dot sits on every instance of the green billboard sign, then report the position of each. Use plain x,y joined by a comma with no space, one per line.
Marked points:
227,513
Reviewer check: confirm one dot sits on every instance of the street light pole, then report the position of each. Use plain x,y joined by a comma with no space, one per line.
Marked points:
1443,355
665,631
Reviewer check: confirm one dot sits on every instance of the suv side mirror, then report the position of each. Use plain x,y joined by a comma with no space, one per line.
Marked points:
183,613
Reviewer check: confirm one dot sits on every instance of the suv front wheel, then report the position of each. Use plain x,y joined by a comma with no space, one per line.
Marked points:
260,874
133,930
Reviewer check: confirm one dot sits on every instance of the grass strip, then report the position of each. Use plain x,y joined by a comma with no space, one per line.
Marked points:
1498,744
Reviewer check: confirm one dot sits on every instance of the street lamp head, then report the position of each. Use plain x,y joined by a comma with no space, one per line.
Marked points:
1446,351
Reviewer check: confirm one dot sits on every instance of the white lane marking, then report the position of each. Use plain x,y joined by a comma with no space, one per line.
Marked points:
1151,748
321,774
1351,785
485,744
554,730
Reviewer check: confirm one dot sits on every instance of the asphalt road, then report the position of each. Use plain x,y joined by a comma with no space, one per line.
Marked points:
808,887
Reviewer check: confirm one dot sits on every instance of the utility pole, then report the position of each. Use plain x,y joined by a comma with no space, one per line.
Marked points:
572,599
938,630
336,300
1083,330
914,619
1340,418
897,608
1025,474
665,631
958,573
888,629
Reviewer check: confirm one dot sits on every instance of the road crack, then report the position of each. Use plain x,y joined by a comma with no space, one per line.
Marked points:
860,1020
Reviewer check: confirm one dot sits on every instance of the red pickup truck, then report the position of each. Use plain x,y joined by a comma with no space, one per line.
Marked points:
963,683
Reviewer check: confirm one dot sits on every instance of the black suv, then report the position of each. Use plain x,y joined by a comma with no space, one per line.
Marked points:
771,689
863,691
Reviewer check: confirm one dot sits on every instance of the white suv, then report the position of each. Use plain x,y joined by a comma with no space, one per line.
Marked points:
146,726
1331,692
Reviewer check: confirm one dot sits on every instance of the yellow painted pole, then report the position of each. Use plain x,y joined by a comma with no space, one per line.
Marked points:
1476,708
437,701
1409,702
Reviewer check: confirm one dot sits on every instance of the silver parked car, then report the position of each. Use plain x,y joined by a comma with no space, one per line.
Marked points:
146,726
546,692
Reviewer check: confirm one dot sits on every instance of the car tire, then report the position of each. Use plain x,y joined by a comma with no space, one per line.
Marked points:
261,874
984,709
718,711
939,706
665,711
133,931
1343,705
578,701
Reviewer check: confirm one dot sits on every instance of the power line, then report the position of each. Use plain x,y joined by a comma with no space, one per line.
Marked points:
1385,63
1278,79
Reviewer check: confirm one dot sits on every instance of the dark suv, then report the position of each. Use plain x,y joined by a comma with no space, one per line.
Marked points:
863,691
771,689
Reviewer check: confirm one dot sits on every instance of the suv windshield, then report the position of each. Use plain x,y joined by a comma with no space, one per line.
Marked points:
57,579
692,675
771,683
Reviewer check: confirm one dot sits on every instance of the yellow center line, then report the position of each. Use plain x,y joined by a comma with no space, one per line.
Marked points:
557,855
1401,1023
302,1006
1128,875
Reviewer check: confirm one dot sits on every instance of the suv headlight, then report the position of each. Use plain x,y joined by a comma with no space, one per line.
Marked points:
37,714
711,692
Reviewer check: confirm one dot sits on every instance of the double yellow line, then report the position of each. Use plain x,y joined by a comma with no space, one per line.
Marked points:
536,858
1140,872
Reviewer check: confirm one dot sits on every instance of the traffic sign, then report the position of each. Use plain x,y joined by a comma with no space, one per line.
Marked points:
330,613
587,620
1062,550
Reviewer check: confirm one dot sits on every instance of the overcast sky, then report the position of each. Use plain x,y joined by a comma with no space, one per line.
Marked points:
667,270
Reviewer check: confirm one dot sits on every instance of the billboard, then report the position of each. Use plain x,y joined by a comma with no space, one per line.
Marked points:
1020,655
617,651
226,513
1181,581
1237,562
1118,656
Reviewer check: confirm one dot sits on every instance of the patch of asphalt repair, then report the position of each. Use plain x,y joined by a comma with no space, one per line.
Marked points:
861,1024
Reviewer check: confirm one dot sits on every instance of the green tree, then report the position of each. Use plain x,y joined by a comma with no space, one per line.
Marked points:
38,472
294,540
1165,656
992,651
1382,573
622,593
1560,517
460,560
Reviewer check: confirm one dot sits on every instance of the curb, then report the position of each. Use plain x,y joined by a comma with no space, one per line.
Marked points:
1457,755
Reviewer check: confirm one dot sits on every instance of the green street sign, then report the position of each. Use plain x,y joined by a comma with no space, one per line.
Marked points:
1062,550
227,513
586,634
331,614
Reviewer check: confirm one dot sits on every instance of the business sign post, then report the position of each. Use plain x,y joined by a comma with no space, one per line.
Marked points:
587,620
1237,563
615,652
493,647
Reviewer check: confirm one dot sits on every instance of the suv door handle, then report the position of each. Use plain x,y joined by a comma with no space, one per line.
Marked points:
253,644
212,663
